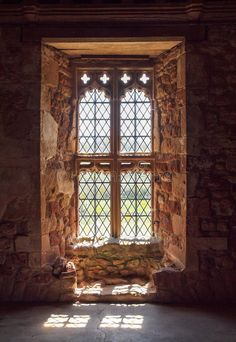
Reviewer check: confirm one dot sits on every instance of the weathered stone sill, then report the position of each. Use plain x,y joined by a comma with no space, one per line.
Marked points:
89,242
115,262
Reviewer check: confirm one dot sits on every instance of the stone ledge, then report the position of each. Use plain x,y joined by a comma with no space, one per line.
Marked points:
182,286
114,263
190,12
91,247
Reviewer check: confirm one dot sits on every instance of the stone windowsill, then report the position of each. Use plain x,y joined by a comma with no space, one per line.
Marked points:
92,243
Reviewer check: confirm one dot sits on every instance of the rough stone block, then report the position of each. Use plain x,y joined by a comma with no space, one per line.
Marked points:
199,207
51,73
22,244
55,238
6,244
49,135
197,71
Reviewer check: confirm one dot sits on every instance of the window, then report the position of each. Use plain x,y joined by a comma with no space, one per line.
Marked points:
115,154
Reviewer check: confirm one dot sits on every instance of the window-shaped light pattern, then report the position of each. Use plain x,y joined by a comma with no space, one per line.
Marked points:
94,123
135,122
94,204
136,205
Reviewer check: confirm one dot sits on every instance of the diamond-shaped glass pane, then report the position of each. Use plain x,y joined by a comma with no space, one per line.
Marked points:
94,204
136,197
135,122
94,122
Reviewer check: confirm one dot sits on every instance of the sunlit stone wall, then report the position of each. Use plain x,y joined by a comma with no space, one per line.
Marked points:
170,173
58,224
114,263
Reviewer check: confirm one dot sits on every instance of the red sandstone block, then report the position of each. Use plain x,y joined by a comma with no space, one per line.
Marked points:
174,207
166,186
54,238
165,221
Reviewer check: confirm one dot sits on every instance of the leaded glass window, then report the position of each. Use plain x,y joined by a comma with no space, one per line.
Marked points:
135,122
115,155
94,204
136,205
94,122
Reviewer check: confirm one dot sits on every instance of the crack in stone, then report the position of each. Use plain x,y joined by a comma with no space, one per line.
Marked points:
103,333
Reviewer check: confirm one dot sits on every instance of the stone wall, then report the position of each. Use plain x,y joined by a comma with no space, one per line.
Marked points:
170,179
114,264
210,273
211,150
20,244
21,275
57,147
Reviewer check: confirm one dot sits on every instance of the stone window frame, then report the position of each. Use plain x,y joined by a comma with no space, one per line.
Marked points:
115,159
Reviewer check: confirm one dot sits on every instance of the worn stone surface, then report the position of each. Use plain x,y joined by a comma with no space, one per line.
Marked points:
117,322
210,272
19,162
170,173
211,151
35,284
57,181
115,264
20,231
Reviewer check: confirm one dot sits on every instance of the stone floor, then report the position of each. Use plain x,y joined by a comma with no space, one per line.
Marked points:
115,323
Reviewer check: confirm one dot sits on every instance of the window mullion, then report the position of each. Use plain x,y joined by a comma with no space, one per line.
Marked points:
117,132
95,205
95,121
136,209
115,166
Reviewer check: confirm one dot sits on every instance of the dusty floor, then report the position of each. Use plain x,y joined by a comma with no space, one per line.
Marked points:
116,322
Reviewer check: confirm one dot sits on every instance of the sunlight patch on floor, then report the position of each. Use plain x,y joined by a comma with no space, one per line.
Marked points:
126,322
66,321
81,321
